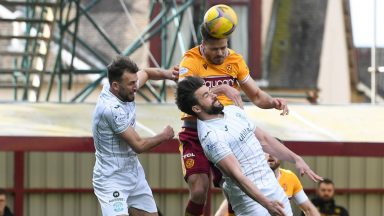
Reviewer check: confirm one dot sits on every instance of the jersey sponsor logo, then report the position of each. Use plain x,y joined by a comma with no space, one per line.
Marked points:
120,119
116,199
116,194
211,82
244,133
188,155
183,70
118,207
189,163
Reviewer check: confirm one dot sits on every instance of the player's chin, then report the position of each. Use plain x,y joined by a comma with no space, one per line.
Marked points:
217,60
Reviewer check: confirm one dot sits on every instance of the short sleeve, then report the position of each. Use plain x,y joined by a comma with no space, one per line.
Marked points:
297,184
187,67
118,119
214,146
243,74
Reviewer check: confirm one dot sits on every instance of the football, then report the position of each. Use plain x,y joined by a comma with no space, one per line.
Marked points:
220,21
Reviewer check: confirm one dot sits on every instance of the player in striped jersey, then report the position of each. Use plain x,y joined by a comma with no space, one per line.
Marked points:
236,146
118,177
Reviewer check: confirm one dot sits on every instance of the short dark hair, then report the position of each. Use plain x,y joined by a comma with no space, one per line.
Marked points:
185,93
2,191
120,65
325,181
205,35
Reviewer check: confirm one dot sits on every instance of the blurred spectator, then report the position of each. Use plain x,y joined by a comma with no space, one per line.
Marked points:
4,210
324,200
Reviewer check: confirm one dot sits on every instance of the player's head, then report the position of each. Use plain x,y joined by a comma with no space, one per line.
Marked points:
122,78
3,200
325,189
194,98
273,162
214,49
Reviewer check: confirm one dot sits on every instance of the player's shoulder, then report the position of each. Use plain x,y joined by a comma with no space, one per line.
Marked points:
235,111
232,108
233,55
287,173
204,130
193,53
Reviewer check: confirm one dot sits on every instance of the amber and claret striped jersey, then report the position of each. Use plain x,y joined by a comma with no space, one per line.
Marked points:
233,71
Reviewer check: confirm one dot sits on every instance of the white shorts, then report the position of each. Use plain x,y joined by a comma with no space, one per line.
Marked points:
134,193
243,205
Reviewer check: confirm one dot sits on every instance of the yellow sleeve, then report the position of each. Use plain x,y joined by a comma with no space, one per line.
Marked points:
187,67
243,74
297,187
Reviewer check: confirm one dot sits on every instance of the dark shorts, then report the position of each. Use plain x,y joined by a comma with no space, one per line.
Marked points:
193,160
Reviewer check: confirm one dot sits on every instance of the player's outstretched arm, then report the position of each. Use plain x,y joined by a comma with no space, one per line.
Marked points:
273,147
157,74
231,167
262,99
140,145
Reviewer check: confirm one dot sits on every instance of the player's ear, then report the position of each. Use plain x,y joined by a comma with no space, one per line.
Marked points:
196,109
115,85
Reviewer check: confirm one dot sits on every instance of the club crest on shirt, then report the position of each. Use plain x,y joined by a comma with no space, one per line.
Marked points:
229,68
189,163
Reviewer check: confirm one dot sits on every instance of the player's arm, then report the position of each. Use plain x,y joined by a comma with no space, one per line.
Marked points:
157,74
308,208
271,146
139,145
261,98
231,167
230,92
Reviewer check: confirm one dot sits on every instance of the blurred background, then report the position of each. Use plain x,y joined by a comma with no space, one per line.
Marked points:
325,58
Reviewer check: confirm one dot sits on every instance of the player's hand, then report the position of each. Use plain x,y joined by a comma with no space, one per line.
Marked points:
304,169
232,94
275,208
173,73
281,104
168,132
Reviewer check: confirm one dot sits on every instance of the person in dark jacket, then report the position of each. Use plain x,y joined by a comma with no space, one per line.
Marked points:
4,210
324,200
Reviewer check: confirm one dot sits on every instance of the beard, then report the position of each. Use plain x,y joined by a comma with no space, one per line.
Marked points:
215,109
274,166
126,97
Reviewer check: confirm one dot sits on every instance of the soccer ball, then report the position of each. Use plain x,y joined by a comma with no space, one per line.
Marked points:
220,21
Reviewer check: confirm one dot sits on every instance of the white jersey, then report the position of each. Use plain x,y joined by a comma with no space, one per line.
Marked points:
234,134
114,157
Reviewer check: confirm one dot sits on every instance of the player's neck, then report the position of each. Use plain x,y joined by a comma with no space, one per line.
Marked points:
206,117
